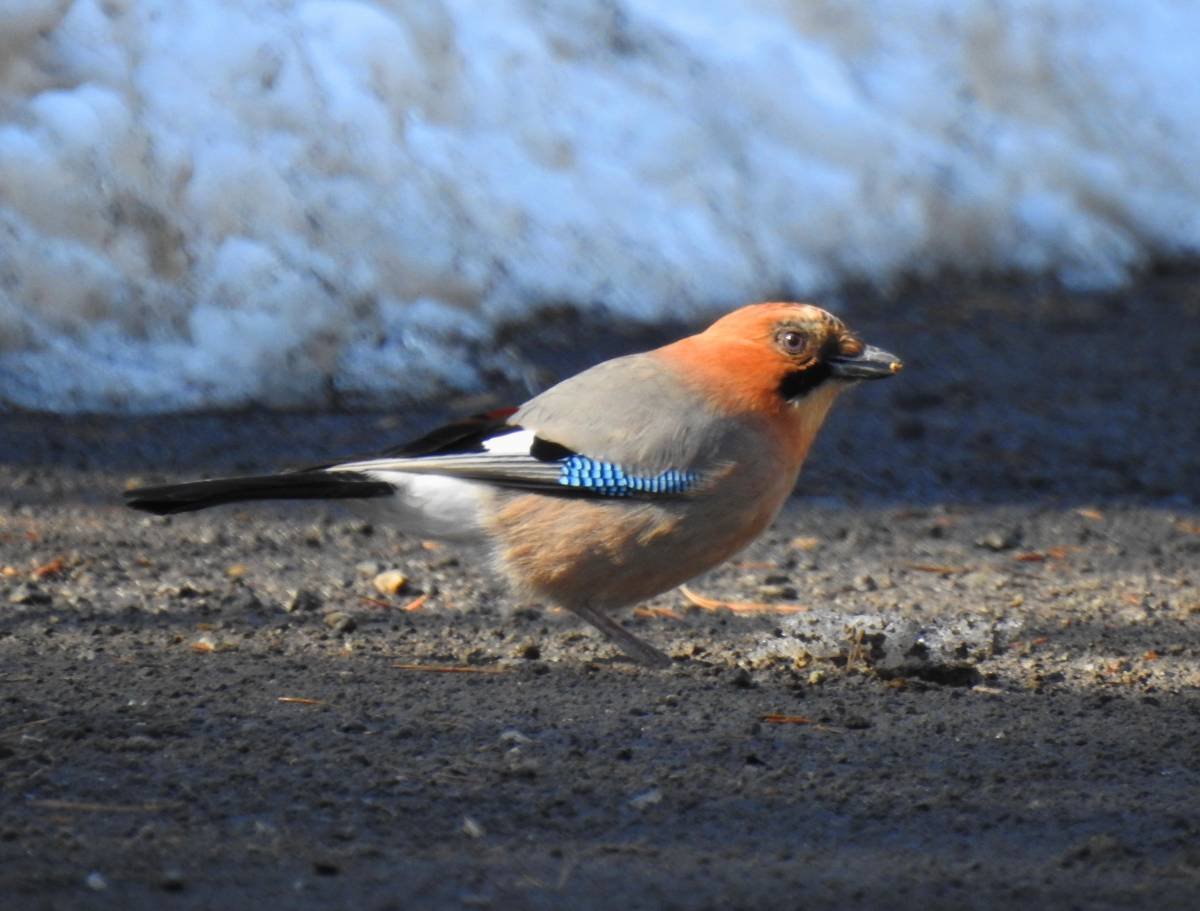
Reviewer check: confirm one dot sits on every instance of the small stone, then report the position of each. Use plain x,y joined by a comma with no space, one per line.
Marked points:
96,881
242,599
367,568
805,543
340,621
27,593
865,583
816,678
302,600
390,582
1000,540
472,829
772,590
523,767
138,743
975,581
172,880
646,799
742,679
204,644
1101,848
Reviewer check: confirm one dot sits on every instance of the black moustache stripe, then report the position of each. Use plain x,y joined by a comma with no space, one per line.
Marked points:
799,383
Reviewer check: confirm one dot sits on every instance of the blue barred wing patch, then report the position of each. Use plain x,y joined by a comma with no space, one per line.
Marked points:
611,480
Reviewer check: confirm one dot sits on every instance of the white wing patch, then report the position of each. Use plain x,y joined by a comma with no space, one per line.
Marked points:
519,442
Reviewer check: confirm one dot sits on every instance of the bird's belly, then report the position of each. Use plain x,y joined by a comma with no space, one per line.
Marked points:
610,553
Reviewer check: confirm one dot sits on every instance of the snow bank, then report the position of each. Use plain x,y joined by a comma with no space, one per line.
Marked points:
211,203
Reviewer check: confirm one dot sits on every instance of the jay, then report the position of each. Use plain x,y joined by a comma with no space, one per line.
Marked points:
618,483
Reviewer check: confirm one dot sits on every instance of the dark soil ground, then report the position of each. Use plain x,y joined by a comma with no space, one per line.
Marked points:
991,701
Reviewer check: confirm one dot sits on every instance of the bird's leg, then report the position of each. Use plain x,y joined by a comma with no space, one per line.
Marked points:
631,645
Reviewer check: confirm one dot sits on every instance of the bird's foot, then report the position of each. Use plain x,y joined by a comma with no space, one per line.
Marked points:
637,649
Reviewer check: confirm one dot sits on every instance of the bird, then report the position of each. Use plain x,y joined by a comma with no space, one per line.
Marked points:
618,483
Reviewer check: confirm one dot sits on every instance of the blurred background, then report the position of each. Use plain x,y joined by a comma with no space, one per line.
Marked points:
215,204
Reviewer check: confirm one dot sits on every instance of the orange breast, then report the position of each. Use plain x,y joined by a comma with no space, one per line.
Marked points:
610,553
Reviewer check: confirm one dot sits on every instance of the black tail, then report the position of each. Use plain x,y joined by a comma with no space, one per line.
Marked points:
303,485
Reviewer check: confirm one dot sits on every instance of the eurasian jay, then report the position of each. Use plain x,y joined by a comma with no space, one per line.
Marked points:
617,484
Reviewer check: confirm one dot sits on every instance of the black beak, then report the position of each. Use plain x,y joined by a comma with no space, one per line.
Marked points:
870,364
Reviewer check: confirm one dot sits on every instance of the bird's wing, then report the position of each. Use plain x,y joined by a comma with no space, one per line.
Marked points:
516,457
626,427
632,411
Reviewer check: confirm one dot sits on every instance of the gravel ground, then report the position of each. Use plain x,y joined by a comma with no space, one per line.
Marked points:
971,680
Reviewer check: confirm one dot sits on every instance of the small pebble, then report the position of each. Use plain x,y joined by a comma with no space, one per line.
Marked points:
390,582
302,600
646,799
1000,540
773,590
805,543
368,568
340,621
865,583
138,743
28,593
741,678
172,880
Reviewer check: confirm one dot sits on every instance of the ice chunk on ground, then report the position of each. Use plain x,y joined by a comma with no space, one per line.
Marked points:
942,648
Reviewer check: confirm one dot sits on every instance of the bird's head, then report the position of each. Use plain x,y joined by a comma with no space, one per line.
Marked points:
788,354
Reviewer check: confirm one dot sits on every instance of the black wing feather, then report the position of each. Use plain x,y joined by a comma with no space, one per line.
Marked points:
466,435
301,485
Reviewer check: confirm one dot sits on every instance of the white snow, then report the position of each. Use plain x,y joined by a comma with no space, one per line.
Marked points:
214,203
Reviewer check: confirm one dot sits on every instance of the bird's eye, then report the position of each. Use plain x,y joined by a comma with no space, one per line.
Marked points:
792,341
